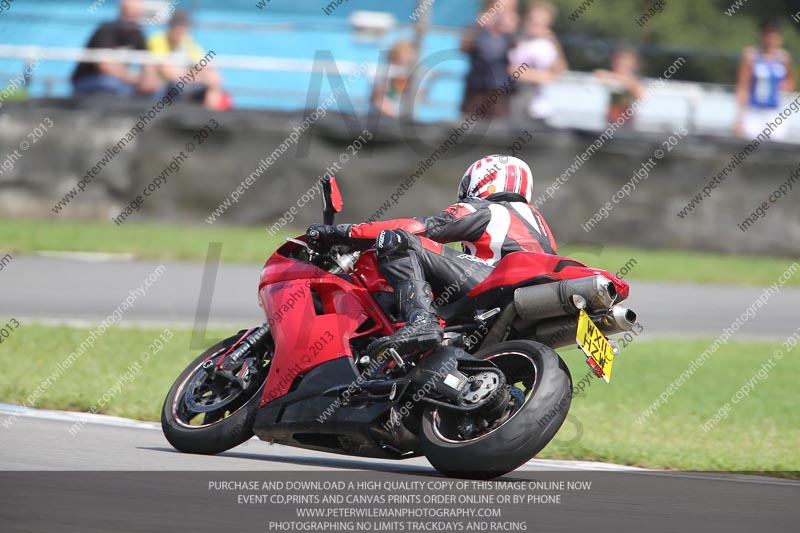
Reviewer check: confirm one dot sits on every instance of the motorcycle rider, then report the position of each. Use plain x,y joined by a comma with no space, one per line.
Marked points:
493,217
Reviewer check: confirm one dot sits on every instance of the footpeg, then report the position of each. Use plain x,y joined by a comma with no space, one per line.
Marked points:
396,356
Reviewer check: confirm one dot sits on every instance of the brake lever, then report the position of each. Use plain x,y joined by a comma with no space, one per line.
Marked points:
309,249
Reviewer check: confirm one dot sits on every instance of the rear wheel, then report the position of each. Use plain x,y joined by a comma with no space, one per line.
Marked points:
207,411
538,384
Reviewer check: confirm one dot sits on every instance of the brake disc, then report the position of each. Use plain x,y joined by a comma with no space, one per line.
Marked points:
199,402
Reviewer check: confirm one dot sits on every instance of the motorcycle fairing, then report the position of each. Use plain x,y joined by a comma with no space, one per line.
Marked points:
520,267
319,312
312,319
314,417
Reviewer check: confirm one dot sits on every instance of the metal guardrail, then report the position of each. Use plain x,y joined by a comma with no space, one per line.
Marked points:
691,94
31,53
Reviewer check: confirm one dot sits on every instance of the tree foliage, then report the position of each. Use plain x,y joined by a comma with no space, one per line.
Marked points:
699,30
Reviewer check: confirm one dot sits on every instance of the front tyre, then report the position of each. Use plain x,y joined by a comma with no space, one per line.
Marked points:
207,413
537,408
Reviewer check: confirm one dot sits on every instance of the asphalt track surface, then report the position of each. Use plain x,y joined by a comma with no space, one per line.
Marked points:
111,443
118,475
45,480
85,291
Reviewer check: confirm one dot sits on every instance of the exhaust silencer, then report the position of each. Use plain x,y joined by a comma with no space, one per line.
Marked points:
619,320
558,332
549,300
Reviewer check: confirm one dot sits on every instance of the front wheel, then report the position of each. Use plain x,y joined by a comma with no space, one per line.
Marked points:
539,386
209,412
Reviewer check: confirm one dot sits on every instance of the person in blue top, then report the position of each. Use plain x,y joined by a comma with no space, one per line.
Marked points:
764,73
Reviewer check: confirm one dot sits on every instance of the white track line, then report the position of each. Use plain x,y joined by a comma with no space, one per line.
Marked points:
578,466
584,465
134,323
18,411
115,421
87,257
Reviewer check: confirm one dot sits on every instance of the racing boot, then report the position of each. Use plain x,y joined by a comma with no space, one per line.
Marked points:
421,331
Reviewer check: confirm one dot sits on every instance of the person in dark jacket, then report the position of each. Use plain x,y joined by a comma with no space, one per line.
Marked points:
111,77
488,44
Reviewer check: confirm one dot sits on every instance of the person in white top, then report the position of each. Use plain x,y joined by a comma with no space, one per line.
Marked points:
541,51
765,73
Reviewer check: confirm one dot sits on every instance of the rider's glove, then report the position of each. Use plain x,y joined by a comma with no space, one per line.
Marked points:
322,235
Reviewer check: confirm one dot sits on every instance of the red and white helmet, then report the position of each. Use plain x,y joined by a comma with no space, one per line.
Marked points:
494,174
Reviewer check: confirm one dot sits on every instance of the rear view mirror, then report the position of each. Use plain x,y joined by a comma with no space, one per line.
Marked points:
331,199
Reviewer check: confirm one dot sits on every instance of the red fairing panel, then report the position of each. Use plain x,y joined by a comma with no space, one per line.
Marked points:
518,267
303,338
280,268
366,270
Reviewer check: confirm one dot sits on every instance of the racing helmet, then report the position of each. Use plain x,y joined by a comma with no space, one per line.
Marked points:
496,173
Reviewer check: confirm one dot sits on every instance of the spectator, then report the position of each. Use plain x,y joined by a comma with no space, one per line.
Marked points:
112,77
488,45
387,95
541,51
763,73
623,79
207,87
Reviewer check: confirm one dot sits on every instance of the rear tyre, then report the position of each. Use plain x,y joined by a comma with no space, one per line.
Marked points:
215,415
536,411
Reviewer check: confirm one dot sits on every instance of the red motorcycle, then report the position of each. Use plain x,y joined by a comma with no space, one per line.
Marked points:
480,405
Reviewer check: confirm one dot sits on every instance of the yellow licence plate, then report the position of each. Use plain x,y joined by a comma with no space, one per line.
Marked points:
599,352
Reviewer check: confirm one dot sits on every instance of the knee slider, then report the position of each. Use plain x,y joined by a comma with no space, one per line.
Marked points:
390,242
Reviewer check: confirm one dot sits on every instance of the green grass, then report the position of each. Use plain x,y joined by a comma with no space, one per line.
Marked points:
683,266
761,433
38,350
254,245
145,241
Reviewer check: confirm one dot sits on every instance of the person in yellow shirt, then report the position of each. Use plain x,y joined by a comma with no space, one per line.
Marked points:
207,86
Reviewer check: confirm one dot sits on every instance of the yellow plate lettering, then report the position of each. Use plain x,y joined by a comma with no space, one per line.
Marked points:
594,344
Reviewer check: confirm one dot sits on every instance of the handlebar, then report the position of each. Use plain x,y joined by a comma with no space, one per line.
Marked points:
338,261
313,235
